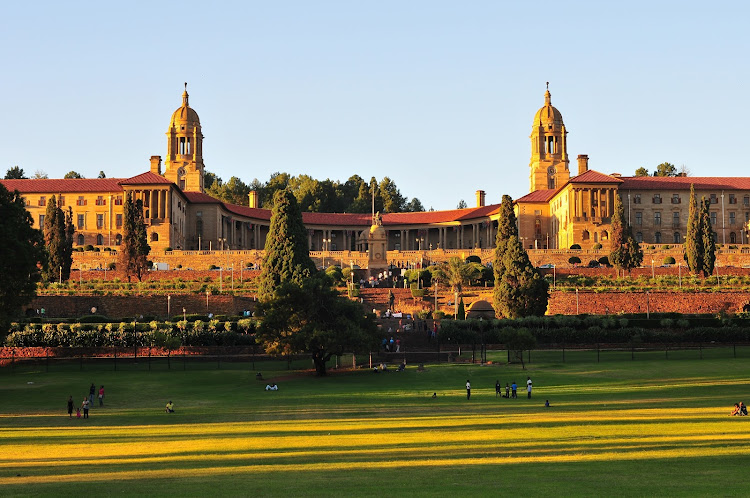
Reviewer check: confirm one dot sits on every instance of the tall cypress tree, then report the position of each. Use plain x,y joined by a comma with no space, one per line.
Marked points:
626,253
693,238
707,238
54,240
135,248
521,291
67,252
287,254
507,227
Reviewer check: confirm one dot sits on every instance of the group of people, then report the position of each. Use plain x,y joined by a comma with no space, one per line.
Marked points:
511,390
87,403
739,409
391,346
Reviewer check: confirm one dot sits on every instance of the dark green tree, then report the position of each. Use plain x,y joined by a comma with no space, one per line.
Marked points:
310,317
506,228
287,255
693,239
666,169
15,173
517,341
625,252
461,310
520,290
461,204
707,237
135,248
101,175
72,174
54,240
414,206
22,250
641,171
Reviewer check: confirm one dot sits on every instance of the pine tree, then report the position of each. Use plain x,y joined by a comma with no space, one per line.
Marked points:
135,248
461,311
521,291
707,239
693,238
287,256
54,240
625,252
67,253
506,228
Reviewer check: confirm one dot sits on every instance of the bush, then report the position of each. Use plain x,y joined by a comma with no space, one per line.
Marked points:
669,260
474,259
597,246
574,260
575,246
213,267
593,264
112,266
438,315
88,247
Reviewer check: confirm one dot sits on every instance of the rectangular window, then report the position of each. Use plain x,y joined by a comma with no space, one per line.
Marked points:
118,200
657,198
637,199
746,200
62,201
732,199
713,199
676,198
639,218
81,201
657,218
713,219
41,221
118,220
81,222
676,219
100,201
100,221
42,201
732,218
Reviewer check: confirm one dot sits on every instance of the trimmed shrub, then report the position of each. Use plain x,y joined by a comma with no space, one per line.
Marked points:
669,260
597,246
604,261
574,260
575,246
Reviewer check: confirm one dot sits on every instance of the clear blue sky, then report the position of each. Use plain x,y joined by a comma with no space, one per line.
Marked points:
437,95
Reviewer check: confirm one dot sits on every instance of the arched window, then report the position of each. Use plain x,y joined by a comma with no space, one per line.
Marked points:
732,237
677,237
657,238
99,239
154,237
80,240
605,235
585,235
118,239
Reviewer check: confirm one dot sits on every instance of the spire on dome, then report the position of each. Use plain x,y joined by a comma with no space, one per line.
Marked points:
547,96
185,96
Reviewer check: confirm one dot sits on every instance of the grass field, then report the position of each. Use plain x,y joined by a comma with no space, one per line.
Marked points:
648,427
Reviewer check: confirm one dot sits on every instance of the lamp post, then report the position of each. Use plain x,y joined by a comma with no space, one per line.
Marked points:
554,276
577,302
679,273
232,277
652,269
169,302
648,310
208,293
184,317
221,279
61,275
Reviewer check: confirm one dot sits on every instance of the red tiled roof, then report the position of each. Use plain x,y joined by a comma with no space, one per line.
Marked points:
200,198
592,176
684,182
147,178
256,213
538,196
64,185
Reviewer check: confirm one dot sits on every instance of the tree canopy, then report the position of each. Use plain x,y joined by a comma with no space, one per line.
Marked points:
700,245
15,173
72,174
312,318
58,240
641,172
287,255
520,290
135,248
22,250
625,253
666,169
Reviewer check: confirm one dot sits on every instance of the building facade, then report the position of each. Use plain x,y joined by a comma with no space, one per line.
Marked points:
559,210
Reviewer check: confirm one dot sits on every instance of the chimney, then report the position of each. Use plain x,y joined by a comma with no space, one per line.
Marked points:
583,163
156,165
252,198
480,198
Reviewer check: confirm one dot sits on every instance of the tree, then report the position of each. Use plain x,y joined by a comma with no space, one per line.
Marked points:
520,291
666,169
101,175
287,256
414,206
456,272
310,317
21,246
40,175
72,174
393,201
58,239
707,236
135,248
518,341
641,172
625,253
506,228
461,204
693,238
15,173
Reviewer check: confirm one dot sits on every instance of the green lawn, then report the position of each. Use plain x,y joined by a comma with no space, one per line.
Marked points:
650,427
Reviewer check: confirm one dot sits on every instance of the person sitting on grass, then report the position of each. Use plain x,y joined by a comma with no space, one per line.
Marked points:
736,410
170,407
272,387
743,408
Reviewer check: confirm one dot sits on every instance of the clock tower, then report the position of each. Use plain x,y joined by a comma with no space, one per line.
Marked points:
184,162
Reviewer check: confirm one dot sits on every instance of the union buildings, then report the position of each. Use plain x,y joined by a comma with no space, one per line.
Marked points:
559,210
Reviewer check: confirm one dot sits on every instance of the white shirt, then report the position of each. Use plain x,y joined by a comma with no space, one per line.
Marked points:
468,386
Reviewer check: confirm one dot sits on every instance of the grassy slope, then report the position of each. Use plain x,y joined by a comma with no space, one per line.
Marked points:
644,427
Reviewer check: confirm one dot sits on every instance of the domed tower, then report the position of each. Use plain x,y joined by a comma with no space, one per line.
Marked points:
549,153
184,163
